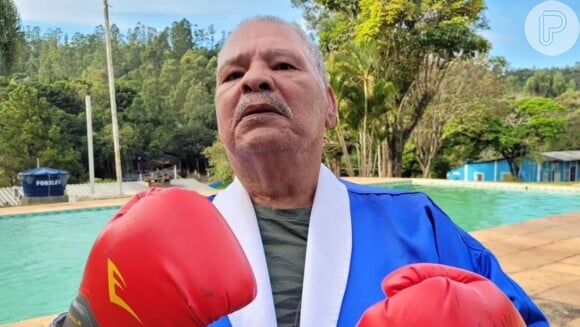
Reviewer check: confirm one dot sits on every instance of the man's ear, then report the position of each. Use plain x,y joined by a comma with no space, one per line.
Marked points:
332,112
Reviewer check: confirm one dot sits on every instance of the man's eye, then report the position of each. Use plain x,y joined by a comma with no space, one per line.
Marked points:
284,66
233,76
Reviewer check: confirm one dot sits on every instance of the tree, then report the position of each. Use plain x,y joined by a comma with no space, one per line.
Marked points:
362,99
30,128
558,84
525,128
359,62
468,86
10,36
571,86
342,131
416,40
569,140
544,83
181,38
164,103
219,166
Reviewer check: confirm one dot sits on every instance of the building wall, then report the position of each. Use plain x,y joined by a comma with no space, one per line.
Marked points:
560,171
530,171
456,174
488,171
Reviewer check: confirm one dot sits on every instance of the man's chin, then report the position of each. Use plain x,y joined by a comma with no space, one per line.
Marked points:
269,143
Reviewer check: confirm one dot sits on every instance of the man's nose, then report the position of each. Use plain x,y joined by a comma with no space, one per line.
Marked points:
257,79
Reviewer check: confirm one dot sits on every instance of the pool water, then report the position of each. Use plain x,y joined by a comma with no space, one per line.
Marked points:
42,255
42,259
481,208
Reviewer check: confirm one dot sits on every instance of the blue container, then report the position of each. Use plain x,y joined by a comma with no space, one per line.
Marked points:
43,182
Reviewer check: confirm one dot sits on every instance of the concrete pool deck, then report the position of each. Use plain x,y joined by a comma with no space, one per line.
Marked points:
542,255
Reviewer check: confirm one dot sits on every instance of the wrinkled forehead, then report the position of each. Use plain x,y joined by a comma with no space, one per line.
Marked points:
261,36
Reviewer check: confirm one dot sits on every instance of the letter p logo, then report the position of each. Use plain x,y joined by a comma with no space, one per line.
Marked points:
551,22
552,28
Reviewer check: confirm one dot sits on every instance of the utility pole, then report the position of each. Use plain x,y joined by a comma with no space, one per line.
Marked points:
113,98
89,112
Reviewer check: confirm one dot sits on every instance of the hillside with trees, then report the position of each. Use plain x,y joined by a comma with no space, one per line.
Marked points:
417,94
164,89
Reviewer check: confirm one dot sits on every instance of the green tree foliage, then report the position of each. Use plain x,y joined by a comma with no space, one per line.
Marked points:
390,63
32,128
341,141
558,84
524,128
570,139
165,81
181,38
408,44
10,36
358,62
544,82
470,86
219,166
571,86
510,128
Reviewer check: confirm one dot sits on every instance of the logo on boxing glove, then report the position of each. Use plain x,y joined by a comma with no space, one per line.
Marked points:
115,278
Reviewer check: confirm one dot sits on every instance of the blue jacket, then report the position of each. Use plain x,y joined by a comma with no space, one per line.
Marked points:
392,228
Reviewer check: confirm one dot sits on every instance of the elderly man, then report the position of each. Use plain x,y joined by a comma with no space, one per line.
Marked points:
319,247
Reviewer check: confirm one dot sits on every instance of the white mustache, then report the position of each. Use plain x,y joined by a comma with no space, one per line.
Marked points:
261,98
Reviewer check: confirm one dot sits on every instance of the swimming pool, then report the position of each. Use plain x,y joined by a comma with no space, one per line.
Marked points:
42,258
42,255
481,208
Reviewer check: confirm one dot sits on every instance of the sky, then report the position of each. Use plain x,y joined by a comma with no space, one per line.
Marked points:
507,21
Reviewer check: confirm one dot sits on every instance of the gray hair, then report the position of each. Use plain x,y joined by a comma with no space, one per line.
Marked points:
312,49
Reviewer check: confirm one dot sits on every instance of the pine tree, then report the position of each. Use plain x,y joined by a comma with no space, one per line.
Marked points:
10,36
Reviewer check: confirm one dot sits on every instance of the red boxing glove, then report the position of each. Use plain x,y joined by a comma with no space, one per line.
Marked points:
437,295
166,259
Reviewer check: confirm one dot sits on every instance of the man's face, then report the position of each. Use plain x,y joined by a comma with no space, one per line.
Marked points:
269,97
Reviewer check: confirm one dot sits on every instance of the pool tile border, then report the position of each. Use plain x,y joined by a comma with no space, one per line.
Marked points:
55,212
540,187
